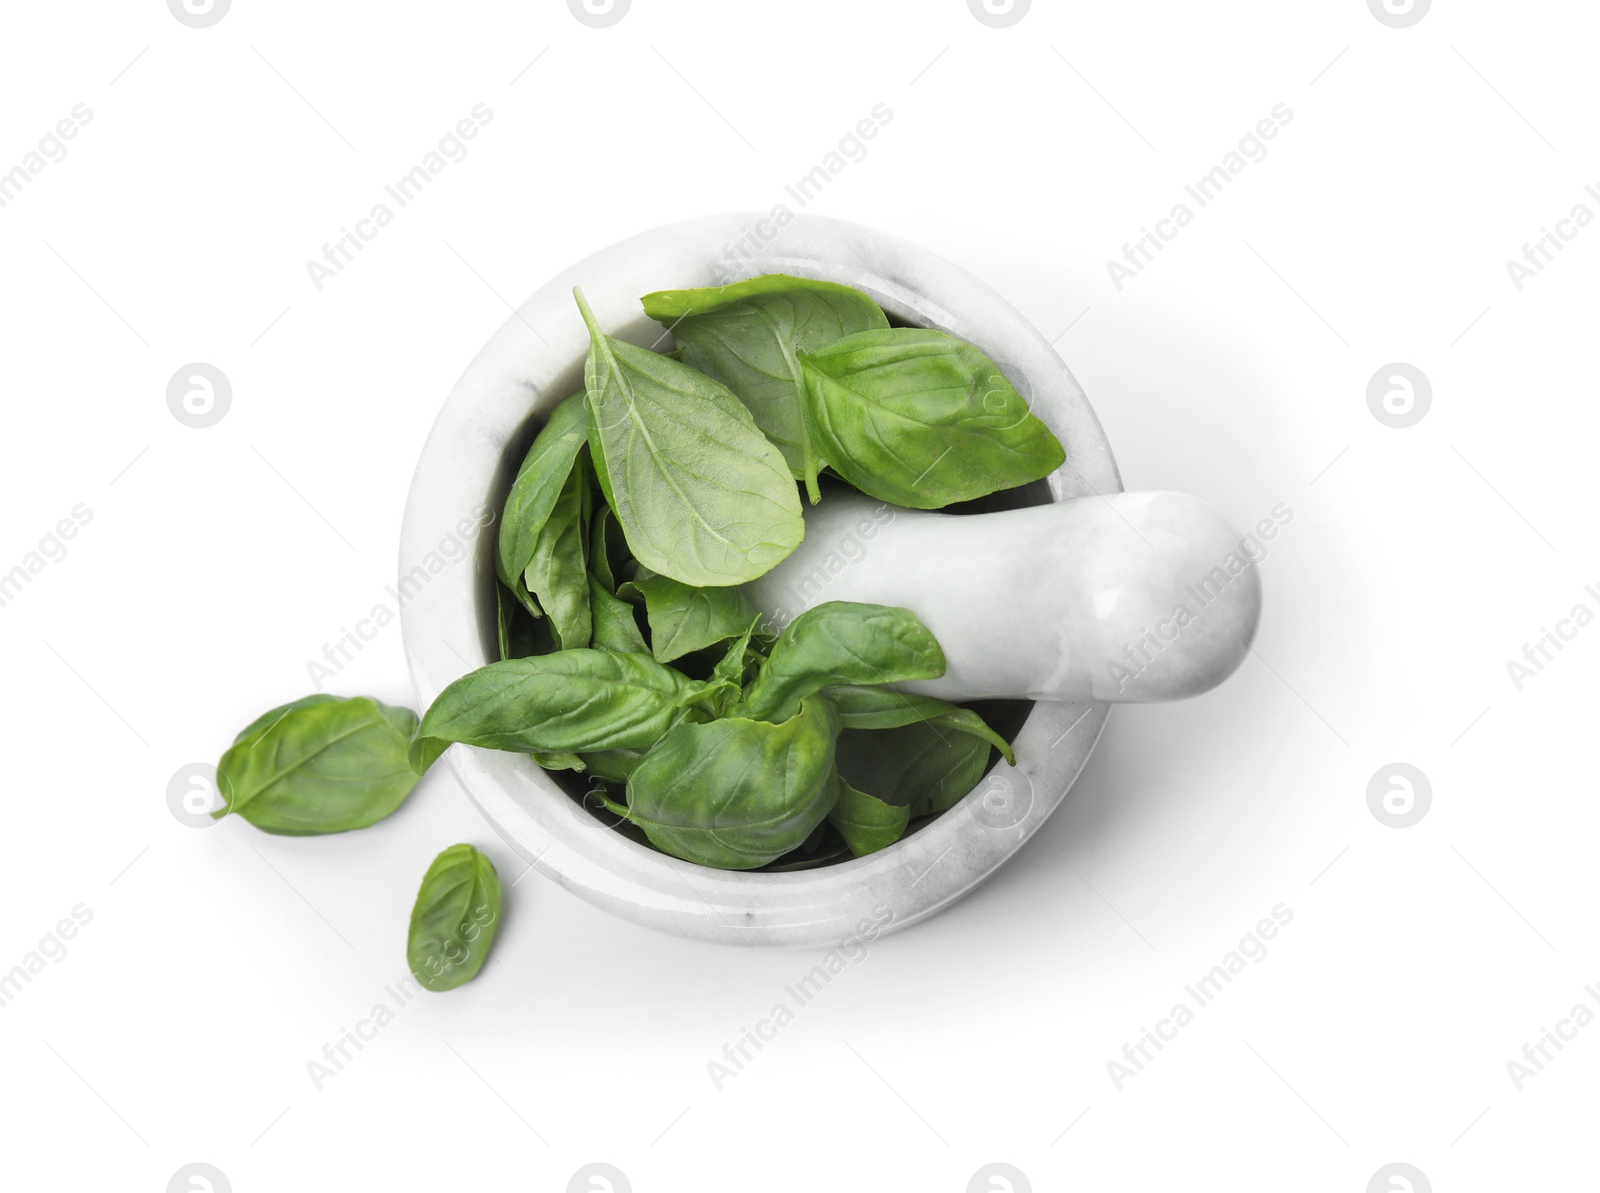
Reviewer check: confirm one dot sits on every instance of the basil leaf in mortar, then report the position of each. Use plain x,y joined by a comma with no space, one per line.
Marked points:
319,765
866,822
920,766
454,920
538,486
921,419
841,642
570,701
557,574
615,627
885,708
699,492
737,793
684,618
746,335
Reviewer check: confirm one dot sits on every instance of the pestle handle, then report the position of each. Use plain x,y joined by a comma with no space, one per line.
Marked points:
1130,597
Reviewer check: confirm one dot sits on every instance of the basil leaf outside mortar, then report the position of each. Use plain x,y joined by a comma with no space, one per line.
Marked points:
921,419
699,492
454,920
319,765
746,335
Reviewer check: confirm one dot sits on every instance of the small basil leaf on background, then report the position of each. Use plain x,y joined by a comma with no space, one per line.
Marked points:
454,920
885,708
699,492
841,642
684,618
557,574
573,700
539,483
866,822
745,335
927,769
615,627
737,793
319,765
922,419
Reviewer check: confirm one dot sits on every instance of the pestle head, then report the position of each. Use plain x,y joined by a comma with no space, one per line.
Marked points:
1130,597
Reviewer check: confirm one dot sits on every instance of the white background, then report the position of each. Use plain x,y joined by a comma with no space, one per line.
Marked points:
219,561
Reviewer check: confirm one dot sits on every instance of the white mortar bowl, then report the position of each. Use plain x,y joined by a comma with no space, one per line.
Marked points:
449,624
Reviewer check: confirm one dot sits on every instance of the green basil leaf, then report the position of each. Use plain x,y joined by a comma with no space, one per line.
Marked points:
615,627
841,642
573,700
539,484
736,793
920,766
557,574
700,494
562,761
454,920
608,552
746,335
922,419
886,708
613,766
319,765
271,717
519,630
684,618
866,822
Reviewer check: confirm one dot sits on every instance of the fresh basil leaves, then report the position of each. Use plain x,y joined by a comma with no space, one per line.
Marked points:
573,700
319,765
841,642
738,793
747,335
454,920
684,618
700,493
922,419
